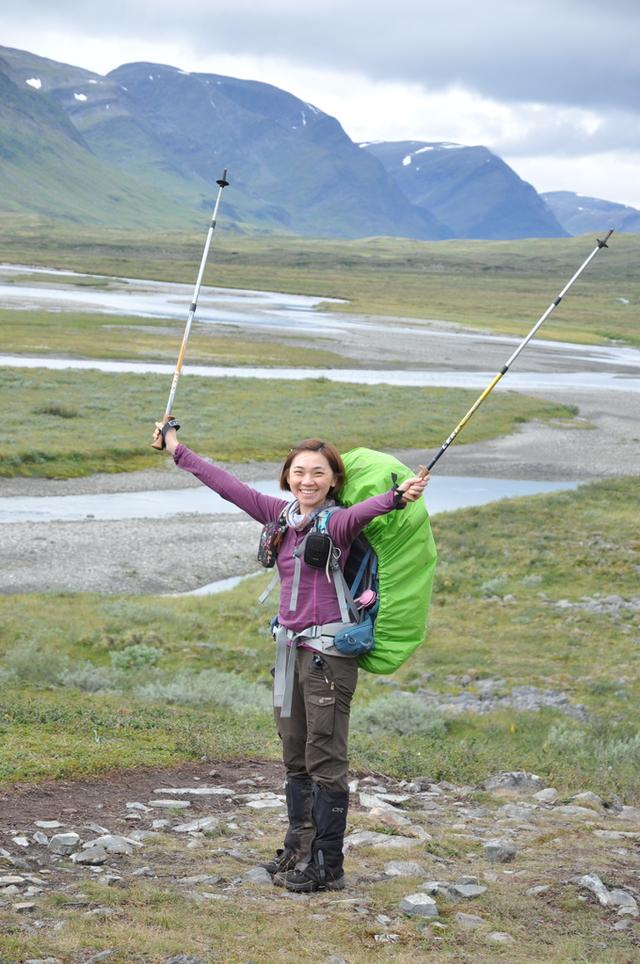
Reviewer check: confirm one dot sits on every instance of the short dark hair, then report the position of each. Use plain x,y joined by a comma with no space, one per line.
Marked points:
329,451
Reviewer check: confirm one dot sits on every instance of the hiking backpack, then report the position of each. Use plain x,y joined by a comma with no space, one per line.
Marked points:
405,554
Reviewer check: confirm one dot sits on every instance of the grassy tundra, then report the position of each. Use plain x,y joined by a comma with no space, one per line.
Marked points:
74,423
498,285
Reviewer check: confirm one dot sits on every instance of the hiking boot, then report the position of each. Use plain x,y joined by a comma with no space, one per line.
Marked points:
283,861
309,879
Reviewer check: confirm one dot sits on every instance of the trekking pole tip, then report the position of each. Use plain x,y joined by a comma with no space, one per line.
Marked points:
222,181
603,243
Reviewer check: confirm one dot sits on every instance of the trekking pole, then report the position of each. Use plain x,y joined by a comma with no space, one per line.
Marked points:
222,182
505,368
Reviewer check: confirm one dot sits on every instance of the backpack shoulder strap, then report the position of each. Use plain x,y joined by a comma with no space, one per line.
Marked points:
321,521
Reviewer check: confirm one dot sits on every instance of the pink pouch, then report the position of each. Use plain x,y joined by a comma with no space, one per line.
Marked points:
367,599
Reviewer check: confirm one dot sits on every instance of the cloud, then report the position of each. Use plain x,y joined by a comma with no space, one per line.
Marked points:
553,86
562,52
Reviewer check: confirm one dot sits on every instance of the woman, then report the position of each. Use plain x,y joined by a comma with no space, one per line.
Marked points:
313,723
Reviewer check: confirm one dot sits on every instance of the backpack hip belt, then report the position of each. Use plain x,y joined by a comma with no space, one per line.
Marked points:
319,638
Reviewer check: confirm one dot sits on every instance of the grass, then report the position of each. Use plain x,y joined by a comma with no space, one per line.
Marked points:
583,544
500,285
76,423
73,335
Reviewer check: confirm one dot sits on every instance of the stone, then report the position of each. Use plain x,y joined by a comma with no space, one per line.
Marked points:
589,797
48,824
629,813
538,890
391,818
468,921
617,834
371,838
500,850
40,838
258,875
138,806
114,844
160,824
139,836
201,879
272,803
548,795
625,902
520,781
113,880
469,891
20,841
403,868
371,800
194,792
99,829
94,856
419,905
201,825
144,872
518,811
169,804
64,843
24,907
419,832
11,879
499,937
570,810
440,887
184,959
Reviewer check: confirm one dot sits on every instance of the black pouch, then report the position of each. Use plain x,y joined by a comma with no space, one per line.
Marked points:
317,550
270,539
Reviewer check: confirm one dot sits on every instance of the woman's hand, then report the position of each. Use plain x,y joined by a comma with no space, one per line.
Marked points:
412,489
170,437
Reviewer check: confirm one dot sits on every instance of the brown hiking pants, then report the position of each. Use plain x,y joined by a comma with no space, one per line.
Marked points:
314,738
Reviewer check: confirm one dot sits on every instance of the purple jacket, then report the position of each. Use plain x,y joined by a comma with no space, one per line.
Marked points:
317,600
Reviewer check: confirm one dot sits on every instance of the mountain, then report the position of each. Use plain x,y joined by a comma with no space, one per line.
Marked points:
469,189
581,215
292,166
47,167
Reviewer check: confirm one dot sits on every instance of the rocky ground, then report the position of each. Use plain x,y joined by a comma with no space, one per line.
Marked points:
477,865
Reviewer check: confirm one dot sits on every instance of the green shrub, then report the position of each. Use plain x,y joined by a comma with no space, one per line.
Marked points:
209,687
398,714
135,657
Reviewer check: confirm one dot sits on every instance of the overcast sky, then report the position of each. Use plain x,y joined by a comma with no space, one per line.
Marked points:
553,86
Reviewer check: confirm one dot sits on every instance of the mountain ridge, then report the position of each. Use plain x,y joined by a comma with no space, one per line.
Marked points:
145,143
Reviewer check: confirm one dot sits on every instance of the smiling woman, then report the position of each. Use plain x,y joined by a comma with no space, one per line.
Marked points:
315,673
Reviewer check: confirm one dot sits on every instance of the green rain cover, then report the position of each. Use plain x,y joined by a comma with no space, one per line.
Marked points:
406,554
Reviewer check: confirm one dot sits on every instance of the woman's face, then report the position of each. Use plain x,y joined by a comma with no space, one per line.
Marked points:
310,478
